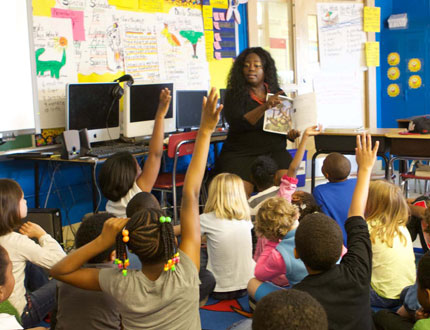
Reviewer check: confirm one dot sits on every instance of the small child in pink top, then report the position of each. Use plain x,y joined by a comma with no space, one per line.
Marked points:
289,181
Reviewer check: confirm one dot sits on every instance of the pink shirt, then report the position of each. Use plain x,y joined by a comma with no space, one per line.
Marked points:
287,187
270,264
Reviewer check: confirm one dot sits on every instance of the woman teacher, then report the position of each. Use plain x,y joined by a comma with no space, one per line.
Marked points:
252,76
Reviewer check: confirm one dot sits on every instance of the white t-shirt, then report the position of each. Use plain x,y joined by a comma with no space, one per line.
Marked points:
393,268
229,251
22,249
118,208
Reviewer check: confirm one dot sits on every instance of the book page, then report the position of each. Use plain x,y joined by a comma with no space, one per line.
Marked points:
279,119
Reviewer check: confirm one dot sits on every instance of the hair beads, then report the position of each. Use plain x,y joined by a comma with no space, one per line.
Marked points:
149,234
170,265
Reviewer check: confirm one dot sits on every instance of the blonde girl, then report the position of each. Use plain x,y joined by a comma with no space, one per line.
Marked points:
226,221
393,263
277,221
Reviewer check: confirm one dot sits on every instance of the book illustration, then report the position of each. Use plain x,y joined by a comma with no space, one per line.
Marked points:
279,119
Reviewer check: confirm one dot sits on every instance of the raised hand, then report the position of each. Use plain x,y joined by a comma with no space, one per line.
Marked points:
111,228
210,113
32,230
163,104
313,130
364,154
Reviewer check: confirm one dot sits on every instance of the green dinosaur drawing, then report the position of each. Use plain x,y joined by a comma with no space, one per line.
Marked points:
193,37
53,66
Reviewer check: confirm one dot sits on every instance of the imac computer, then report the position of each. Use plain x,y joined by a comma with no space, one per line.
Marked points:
189,108
140,106
93,106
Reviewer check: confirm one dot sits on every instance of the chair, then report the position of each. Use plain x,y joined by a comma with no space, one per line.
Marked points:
410,174
180,144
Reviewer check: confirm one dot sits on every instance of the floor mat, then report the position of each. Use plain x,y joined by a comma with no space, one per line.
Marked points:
220,314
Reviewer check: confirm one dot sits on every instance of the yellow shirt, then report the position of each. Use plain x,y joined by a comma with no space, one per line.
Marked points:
393,268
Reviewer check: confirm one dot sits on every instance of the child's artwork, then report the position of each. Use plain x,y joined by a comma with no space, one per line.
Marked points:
279,119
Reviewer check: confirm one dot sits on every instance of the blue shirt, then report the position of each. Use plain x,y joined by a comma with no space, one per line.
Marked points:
334,198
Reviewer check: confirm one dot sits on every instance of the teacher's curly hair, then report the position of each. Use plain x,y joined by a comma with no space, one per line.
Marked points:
237,85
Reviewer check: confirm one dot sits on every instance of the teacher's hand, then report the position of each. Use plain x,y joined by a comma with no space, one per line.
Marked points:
293,134
273,100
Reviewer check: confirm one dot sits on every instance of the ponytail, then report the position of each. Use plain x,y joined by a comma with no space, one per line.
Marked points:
149,234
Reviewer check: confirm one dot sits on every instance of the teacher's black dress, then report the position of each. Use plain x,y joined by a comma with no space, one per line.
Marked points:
245,142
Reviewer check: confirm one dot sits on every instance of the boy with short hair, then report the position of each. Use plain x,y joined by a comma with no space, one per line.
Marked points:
84,309
289,310
335,196
344,289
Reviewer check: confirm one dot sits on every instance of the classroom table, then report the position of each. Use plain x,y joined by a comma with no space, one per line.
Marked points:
344,142
92,163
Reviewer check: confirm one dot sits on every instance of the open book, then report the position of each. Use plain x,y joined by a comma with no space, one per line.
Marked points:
298,113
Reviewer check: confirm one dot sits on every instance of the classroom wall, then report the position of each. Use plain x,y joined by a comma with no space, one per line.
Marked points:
413,42
69,187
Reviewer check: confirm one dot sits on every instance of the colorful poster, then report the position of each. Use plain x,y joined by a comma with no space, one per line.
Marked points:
341,36
55,67
140,42
182,48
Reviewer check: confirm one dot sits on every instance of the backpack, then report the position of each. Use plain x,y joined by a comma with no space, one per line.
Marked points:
420,125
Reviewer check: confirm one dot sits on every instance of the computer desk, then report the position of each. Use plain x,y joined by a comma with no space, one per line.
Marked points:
344,142
92,163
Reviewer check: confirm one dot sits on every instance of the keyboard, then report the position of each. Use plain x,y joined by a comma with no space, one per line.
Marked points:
106,151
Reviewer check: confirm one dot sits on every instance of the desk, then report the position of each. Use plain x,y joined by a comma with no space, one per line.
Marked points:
92,163
344,142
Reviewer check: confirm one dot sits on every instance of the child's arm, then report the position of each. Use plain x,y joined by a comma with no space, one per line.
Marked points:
365,157
190,220
270,264
294,166
151,168
69,269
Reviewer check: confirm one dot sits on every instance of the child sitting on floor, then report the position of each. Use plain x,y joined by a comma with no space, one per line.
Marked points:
121,177
388,320
289,181
343,290
393,262
227,224
335,196
277,222
9,316
149,298
78,308
27,256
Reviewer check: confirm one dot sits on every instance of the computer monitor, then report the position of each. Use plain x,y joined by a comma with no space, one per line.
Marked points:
189,108
140,106
88,106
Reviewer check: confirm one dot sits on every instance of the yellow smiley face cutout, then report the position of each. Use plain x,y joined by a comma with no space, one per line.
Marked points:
414,65
393,73
393,58
415,82
393,90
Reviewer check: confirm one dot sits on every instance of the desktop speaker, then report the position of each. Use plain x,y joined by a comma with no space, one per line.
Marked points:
49,220
71,145
84,140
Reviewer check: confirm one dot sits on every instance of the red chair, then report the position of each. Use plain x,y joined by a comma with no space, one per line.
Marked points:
180,144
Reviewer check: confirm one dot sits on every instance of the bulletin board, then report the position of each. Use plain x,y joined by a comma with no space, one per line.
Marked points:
100,40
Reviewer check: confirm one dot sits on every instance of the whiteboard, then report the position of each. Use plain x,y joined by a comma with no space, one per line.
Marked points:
19,108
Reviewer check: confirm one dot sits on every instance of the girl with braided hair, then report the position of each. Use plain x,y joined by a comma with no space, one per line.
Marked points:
164,294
